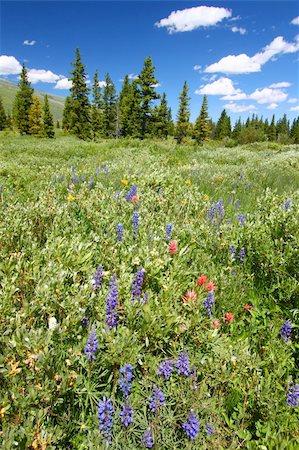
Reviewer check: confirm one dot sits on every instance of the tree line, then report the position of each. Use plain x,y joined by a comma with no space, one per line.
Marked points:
138,111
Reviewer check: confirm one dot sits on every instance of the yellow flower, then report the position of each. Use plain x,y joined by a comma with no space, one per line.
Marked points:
14,368
71,198
189,182
125,182
206,197
3,411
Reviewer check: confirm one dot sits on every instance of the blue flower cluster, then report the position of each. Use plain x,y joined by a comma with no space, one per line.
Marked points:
216,212
293,396
191,426
105,415
157,399
135,222
241,218
97,279
137,284
131,193
168,231
209,302
111,304
209,429
182,364
165,369
147,439
126,415
120,232
286,330
125,379
241,255
91,345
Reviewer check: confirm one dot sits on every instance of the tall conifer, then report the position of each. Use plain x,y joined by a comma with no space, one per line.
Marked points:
48,126
183,116
22,103
202,126
3,118
109,108
35,117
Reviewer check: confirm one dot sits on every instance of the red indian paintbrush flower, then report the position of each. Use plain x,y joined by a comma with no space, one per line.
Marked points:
210,286
202,279
247,307
216,324
229,317
135,198
172,247
190,295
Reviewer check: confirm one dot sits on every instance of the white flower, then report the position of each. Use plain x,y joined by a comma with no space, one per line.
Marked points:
52,323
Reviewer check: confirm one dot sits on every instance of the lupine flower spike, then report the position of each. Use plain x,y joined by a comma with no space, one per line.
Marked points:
191,426
105,415
91,345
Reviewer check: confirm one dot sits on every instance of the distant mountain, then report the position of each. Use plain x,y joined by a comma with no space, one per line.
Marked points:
8,91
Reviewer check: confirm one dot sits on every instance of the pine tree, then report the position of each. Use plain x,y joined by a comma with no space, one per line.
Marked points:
80,110
3,118
109,108
35,118
295,131
22,103
202,130
96,107
48,128
67,112
161,119
135,113
272,130
147,84
57,124
183,116
223,126
9,121
237,129
125,103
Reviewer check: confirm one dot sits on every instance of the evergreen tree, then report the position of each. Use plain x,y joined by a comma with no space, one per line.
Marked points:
80,110
48,128
134,123
96,107
22,103
237,129
35,117
147,83
124,104
161,119
295,131
67,112
3,118
9,121
57,124
283,129
183,116
223,126
202,130
109,108
272,130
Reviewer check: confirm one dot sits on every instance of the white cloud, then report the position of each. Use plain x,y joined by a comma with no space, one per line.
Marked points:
233,107
197,67
27,42
223,86
294,108
63,83
9,65
234,97
268,95
236,64
282,84
132,76
272,106
45,76
191,18
293,100
102,84
239,30
295,21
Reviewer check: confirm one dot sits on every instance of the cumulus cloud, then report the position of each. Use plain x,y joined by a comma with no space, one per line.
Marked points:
9,65
239,30
233,107
281,84
295,21
41,75
132,76
197,67
272,106
223,86
27,42
234,97
293,100
268,95
191,18
63,83
236,64
102,84
294,108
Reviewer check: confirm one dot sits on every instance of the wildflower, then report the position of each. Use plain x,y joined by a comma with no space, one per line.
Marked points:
210,286
190,295
241,255
216,324
188,182
182,364
168,231
54,177
165,369
229,317
111,304
75,179
157,399
105,415
216,212
234,184
97,279
191,426
135,221
229,200
286,331
52,323
126,415
209,429
71,198
237,204
125,379
247,307
145,298
98,170
206,197
241,218
131,193
172,247
91,345
85,322
137,284
62,177
83,179
209,302
293,396
120,232
90,184
73,169
287,204
147,439
202,279
232,251
135,198
106,170
125,182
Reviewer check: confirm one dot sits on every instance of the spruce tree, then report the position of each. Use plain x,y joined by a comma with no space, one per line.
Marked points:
161,119
147,84
9,121
295,131
96,107
35,117
109,108
135,113
48,127
67,112
272,130
3,118
80,110
202,130
125,104
22,103
183,116
57,124
223,126
237,129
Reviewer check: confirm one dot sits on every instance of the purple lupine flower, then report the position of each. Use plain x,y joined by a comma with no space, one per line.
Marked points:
145,297
91,345
286,330
90,183
147,439
54,177
165,369
250,185
126,414
118,195
120,232
135,222
241,218
75,179
232,251
182,364
157,399
131,193
230,199
209,429
209,302
168,231
137,284
84,322
106,170
98,170
241,176
237,204
97,279
125,379
293,396
216,212
62,177
234,184
83,179
73,169
287,204
105,415
191,426
111,304
241,255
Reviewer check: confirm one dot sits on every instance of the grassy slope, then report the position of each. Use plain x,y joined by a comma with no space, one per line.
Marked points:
8,91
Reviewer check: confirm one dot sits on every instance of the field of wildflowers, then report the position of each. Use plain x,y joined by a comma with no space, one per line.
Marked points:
149,295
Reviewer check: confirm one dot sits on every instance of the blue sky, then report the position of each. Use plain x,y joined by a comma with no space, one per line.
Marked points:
242,54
